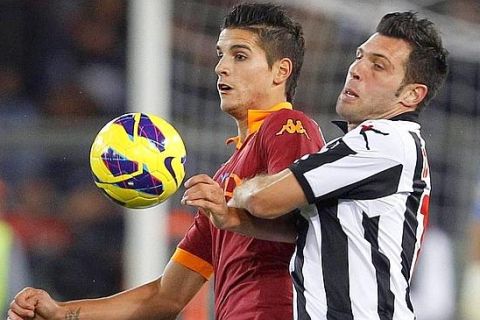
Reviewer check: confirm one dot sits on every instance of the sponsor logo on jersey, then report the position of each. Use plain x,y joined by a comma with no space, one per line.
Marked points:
367,128
293,127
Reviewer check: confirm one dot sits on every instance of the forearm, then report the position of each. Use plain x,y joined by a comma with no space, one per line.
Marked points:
163,298
281,229
269,197
144,302
205,194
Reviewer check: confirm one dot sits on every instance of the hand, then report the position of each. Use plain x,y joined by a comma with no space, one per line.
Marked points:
31,303
206,194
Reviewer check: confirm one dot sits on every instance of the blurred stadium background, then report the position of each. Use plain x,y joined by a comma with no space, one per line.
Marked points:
63,74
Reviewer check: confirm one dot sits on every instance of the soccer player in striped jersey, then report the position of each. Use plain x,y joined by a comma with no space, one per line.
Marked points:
260,53
364,197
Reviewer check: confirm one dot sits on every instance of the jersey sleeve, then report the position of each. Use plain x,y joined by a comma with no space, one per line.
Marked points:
195,249
353,167
286,136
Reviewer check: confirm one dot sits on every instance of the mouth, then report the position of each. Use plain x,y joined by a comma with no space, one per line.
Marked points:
223,87
350,93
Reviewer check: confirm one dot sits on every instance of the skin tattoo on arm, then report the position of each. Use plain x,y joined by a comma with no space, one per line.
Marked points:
73,314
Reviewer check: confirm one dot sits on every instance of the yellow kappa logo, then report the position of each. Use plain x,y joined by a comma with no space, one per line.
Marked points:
293,127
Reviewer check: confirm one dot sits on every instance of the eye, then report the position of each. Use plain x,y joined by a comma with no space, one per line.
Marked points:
240,57
219,54
378,66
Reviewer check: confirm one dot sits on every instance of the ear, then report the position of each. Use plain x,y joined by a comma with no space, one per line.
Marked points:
413,94
282,70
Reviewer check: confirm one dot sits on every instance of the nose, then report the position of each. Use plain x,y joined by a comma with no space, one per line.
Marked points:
221,68
354,70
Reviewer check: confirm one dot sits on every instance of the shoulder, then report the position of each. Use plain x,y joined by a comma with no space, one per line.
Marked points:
384,136
288,119
384,127
287,124
285,114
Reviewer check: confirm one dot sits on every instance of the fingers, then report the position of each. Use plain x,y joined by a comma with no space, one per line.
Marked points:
12,315
23,305
202,187
207,193
200,178
27,298
205,207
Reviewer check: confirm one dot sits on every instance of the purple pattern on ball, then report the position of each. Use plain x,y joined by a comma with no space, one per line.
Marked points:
168,165
118,164
148,130
127,121
144,182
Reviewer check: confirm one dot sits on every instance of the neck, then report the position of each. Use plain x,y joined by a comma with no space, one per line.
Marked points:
242,122
352,125
242,127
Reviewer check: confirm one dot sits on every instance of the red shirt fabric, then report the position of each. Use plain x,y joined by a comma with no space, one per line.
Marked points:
252,280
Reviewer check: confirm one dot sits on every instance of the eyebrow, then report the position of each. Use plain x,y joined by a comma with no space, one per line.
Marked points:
236,47
377,55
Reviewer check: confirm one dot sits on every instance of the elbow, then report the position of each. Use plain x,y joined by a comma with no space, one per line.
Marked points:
262,208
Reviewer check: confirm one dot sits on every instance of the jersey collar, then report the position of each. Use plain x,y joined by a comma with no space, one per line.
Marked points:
406,116
255,119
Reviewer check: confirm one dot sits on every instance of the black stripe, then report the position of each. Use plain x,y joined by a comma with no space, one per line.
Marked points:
410,225
381,184
335,151
381,263
297,273
334,248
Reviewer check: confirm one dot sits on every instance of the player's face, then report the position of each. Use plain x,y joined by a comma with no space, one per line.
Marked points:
244,77
374,80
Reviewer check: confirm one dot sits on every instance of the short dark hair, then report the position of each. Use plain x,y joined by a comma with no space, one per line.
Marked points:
427,62
279,35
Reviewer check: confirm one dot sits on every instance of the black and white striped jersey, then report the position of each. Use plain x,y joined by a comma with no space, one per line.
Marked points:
359,239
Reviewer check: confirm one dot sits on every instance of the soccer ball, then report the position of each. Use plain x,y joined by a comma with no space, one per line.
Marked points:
137,160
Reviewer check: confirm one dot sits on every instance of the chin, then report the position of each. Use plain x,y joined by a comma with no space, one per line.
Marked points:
226,107
340,110
229,109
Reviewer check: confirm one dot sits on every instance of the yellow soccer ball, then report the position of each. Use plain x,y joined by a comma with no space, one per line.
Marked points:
137,160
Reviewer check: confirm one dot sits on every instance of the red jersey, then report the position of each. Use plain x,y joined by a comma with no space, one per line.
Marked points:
252,280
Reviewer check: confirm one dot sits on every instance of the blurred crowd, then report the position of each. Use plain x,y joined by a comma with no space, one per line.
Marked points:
64,61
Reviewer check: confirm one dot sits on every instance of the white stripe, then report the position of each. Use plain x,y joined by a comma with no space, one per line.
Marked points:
390,244
420,230
312,267
363,294
344,172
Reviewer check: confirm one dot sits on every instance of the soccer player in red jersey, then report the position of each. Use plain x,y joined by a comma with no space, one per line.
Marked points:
260,51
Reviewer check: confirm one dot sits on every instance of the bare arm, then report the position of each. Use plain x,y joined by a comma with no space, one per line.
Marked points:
281,229
269,197
163,298
206,194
